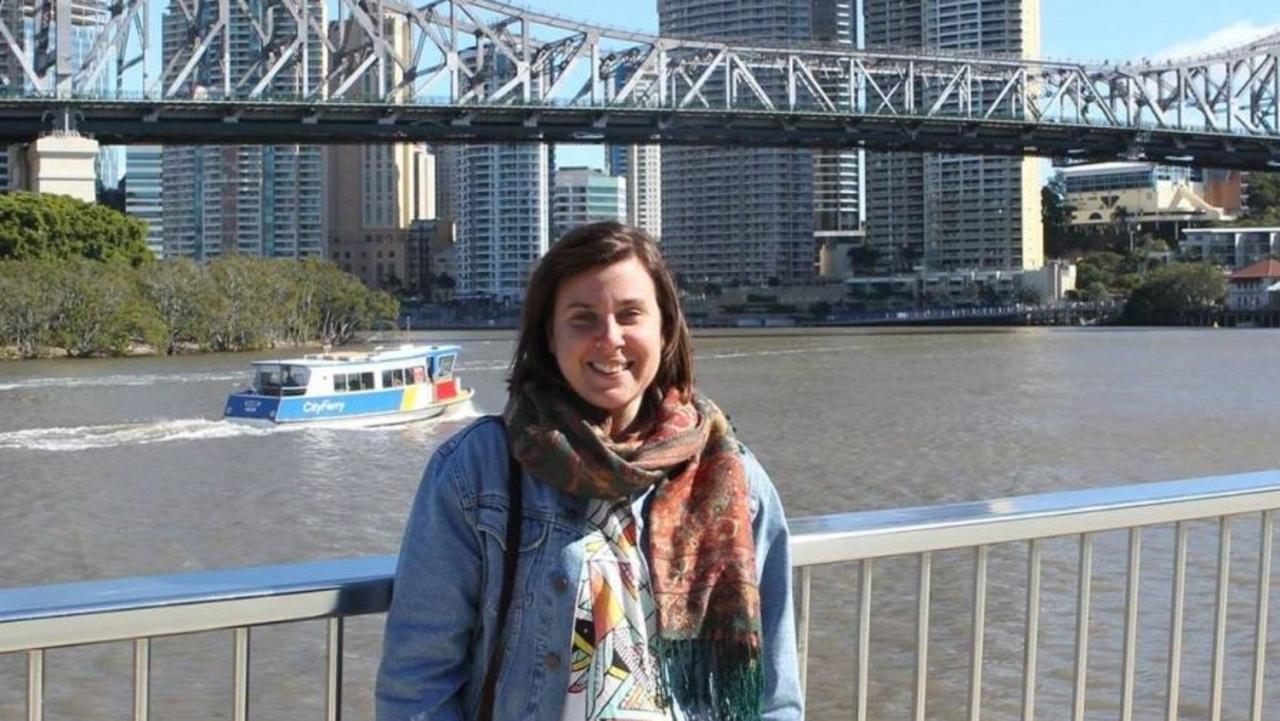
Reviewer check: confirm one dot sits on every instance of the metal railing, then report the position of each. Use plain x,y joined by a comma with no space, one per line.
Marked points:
33,620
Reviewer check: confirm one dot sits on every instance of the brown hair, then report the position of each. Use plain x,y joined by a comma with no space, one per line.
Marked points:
585,248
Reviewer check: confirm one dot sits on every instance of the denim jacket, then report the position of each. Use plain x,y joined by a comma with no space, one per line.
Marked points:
441,627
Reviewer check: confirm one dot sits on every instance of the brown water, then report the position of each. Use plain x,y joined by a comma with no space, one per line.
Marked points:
121,467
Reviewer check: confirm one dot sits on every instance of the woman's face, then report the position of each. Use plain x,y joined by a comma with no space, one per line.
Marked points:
606,336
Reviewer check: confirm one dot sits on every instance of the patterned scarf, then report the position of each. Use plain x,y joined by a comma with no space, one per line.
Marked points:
701,550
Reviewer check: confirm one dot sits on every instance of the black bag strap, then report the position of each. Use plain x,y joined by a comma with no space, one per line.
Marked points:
515,492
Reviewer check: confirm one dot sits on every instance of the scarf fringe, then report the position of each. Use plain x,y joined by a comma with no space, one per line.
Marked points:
711,680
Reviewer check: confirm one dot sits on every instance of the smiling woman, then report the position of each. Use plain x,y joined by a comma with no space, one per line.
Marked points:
606,549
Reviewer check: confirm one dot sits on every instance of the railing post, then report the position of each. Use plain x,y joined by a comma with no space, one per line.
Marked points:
35,685
333,670
240,711
802,622
141,679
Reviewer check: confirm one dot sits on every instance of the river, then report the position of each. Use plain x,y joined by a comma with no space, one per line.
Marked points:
122,467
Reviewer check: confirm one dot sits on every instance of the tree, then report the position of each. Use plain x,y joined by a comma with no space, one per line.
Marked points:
98,308
1095,292
1172,291
27,305
1055,215
179,295
60,227
1264,194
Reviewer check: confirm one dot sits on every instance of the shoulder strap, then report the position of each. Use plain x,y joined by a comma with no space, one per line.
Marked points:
515,494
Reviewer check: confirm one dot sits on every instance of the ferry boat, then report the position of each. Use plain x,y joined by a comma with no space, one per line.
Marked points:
410,383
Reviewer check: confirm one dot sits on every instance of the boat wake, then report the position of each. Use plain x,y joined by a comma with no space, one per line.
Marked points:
111,435
122,379
80,438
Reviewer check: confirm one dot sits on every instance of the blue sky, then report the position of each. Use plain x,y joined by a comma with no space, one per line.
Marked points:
1092,30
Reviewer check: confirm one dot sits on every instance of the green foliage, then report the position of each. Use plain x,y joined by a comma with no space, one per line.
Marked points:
1095,292
179,294
235,303
1264,195
1172,291
57,227
28,305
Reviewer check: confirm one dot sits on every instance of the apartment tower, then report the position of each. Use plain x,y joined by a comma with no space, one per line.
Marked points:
641,166
377,192
739,214
254,199
943,212
500,202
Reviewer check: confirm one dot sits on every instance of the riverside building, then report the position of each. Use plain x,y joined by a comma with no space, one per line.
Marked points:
747,214
376,193
144,192
501,203
941,212
587,195
641,166
250,199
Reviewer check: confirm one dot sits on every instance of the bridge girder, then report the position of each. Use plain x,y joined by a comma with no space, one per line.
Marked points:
481,54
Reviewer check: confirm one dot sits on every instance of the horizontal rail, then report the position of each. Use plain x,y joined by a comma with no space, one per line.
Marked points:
70,614
873,534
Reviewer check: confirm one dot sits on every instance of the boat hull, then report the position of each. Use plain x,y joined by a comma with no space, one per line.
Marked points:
375,408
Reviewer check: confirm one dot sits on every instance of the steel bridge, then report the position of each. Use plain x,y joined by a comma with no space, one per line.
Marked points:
340,71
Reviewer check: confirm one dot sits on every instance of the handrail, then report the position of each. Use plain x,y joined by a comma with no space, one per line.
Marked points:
872,534
50,616
71,614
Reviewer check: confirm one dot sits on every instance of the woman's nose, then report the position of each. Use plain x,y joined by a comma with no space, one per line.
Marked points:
611,333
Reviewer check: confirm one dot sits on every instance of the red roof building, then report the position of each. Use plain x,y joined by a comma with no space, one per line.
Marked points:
1255,286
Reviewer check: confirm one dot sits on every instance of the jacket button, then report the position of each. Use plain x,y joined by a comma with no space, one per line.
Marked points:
551,661
561,584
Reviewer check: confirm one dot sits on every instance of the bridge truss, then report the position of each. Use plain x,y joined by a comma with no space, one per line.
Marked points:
478,70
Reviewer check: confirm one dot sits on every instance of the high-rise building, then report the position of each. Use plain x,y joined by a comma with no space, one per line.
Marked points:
377,192
252,199
586,195
838,211
950,211
501,203
144,191
738,214
641,165
504,203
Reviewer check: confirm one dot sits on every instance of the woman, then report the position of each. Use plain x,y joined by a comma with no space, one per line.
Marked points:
653,578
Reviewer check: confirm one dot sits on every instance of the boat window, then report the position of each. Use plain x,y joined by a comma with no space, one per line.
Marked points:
339,382
444,366
418,375
353,382
393,377
366,381
294,380
281,380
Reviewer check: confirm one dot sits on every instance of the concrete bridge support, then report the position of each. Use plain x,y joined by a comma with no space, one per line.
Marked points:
60,163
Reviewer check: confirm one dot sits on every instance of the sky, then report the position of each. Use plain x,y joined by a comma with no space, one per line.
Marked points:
1082,30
